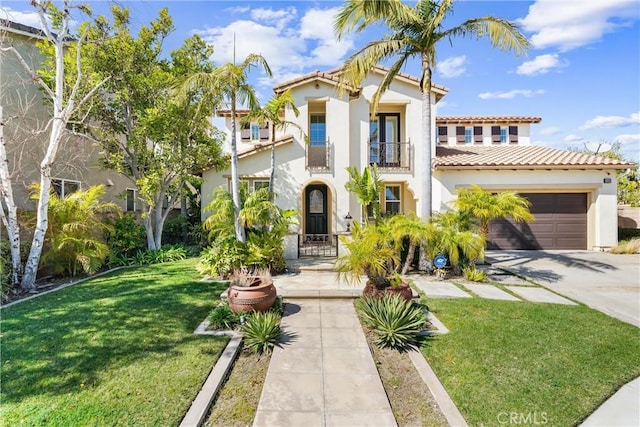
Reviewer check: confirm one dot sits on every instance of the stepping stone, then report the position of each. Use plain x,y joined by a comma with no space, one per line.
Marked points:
539,295
490,292
441,290
508,279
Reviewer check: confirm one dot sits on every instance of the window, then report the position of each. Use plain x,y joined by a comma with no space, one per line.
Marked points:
131,200
317,129
442,135
258,184
460,134
255,132
392,199
495,134
64,187
513,134
503,135
468,135
477,134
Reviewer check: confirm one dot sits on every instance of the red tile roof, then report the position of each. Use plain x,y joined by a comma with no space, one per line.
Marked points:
443,120
284,139
227,113
519,157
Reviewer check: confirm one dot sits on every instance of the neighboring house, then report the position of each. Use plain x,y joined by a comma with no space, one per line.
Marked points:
26,115
573,195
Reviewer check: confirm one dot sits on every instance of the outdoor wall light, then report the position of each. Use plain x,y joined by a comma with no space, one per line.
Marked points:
348,218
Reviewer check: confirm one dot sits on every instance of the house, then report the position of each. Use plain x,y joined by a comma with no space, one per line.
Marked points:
25,118
573,195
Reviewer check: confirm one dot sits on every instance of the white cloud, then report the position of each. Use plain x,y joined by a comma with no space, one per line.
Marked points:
573,138
279,18
238,9
549,131
291,46
27,18
452,67
527,93
611,121
629,137
569,24
541,64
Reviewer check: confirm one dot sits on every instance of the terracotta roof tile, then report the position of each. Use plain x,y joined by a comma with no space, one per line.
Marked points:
442,120
227,113
520,157
284,139
307,77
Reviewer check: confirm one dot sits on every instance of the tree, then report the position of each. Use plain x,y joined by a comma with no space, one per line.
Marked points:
415,32
414,229
486,206
273,113
157,139
230,83
64,98
366,187
628,181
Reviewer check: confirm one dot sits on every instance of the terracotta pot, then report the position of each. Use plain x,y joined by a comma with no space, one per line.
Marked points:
252,298
404,290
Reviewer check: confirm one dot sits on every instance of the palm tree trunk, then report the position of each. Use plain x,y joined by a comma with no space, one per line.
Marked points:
427,184
409,260
235,181
272,176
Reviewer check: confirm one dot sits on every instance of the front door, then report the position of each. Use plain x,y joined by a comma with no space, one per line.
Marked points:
316,209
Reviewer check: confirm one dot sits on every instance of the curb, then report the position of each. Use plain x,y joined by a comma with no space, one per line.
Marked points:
200,406
446,405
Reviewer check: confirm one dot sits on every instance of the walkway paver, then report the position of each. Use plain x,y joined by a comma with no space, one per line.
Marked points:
440,289
322,373
621,409
539,295
490,292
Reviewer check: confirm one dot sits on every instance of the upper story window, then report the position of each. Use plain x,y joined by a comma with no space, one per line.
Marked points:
513,134
477,134
468,135
503,135
317,129
254,132
442,135
64,187
460,134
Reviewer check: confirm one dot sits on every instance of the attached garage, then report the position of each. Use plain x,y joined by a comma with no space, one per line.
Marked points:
561,223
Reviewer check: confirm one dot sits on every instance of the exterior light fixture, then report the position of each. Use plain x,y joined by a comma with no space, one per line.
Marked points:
348,218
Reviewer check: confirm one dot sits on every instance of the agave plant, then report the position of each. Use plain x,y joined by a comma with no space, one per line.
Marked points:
261,331
395,322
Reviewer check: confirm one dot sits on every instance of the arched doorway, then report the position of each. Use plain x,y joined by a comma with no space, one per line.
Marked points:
316,216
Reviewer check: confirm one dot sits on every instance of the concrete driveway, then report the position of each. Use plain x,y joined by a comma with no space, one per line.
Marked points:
603,281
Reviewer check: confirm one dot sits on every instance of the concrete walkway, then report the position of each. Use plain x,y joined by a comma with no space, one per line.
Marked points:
621,409
322,373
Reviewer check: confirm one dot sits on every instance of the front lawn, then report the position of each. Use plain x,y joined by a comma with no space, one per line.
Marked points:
533,363
116,350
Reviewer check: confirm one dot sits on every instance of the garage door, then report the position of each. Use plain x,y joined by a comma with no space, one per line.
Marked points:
561,223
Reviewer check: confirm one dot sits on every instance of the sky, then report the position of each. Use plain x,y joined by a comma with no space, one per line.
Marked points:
581,76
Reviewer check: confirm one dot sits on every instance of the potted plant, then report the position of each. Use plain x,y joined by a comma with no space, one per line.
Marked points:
251,290
371,253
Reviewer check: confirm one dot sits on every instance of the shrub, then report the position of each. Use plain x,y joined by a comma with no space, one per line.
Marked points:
222,317
167,253
127,237
226,255
75,232
394,321
261,331
473,274
628,233
630,247
174,230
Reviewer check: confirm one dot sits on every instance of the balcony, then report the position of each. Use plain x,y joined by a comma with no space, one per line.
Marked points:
318,156
390,156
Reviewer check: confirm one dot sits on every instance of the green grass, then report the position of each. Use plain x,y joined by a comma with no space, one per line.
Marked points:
116,350
552,362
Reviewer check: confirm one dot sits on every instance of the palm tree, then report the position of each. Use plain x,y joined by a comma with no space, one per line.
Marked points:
415,32
271,113
230,82
486,206
414,229
367,189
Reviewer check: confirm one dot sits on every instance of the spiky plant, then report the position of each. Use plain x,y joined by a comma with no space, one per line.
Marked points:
261,331
394,321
